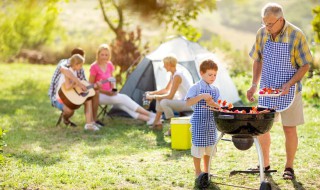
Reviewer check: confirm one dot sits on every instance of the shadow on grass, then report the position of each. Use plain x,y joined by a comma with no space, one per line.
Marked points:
273,184
297,185
40,159
31,122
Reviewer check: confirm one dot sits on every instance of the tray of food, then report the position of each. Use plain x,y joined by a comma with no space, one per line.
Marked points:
269,92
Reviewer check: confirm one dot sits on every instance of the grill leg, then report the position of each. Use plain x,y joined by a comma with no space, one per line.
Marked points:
212,152
260,156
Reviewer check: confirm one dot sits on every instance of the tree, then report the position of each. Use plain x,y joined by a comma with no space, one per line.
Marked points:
316,23
127,47
26,24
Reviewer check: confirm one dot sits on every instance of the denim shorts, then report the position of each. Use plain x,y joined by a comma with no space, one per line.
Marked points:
58,105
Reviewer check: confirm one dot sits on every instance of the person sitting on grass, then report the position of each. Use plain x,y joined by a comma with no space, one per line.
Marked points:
204,130
70,71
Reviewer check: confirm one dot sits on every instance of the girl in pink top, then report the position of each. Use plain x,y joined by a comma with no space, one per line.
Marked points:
102,69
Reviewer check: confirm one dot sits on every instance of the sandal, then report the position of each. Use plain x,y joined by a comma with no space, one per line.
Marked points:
156,127
288,174
69,123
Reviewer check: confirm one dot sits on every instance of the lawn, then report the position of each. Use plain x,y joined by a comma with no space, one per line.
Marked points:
125,154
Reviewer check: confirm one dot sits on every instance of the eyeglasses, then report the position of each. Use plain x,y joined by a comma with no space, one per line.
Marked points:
269,25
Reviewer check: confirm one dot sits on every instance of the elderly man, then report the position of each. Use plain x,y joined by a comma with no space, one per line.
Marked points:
281,58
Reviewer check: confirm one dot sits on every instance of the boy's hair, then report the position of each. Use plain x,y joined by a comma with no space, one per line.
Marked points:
77,51
207,65
76,59
171,60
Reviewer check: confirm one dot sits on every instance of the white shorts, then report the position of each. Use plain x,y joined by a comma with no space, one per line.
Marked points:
199,152
292,116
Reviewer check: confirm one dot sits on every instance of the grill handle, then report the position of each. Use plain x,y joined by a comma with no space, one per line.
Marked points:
226,117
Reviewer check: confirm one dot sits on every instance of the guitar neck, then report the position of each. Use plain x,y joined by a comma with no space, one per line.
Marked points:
92,85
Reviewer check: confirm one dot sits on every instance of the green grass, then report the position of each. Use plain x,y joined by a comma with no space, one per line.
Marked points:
125,154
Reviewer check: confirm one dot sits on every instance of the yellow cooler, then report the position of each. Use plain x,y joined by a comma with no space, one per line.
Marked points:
180,133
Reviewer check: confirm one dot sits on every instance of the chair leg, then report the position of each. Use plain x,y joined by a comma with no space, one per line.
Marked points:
59,120
104,112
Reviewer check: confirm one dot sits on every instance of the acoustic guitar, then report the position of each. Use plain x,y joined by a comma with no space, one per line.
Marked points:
75,97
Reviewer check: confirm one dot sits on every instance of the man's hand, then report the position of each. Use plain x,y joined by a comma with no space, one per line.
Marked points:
285,88
251,92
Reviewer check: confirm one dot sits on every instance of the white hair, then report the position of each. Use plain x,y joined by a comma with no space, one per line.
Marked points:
272,9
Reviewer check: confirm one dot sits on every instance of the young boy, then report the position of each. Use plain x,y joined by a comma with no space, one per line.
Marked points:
75,65
204,131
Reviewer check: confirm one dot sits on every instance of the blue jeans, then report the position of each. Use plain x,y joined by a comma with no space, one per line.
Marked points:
58,105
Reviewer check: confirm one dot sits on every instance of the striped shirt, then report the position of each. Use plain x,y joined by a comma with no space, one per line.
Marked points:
299,50
298,46
56,77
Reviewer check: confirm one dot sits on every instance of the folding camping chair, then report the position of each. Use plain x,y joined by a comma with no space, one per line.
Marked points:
59,119
104,112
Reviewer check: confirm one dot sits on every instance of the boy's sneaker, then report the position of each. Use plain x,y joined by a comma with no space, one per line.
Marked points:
99,123
69,123
91,127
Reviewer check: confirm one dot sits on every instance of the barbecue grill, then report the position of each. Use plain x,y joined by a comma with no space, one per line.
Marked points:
244,129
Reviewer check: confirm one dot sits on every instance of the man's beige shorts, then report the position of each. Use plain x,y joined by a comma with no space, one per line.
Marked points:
199,152
292,116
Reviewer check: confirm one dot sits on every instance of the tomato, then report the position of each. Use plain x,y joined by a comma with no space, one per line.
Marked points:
224,103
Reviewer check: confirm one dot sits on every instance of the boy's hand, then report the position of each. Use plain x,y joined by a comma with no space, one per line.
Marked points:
206,96
82,86
212,103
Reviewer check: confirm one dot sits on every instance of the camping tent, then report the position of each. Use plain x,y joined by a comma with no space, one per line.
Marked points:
150,74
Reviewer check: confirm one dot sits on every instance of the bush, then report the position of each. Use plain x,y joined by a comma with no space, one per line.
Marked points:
2,144
311,89
26,24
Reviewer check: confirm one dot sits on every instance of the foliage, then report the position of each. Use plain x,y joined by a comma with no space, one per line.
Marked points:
2,144
127,47
125,154
26,25
177,14
247,17
126,51
237,61
316,23
311,89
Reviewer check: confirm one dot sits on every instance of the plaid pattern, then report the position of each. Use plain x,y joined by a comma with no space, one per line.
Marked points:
277,70
204,130
56,76
298,47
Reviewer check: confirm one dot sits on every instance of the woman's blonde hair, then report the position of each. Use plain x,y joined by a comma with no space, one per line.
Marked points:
76,59
104,47
170,60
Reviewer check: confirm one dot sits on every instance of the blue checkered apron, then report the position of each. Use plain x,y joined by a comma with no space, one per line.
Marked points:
277,70
204,130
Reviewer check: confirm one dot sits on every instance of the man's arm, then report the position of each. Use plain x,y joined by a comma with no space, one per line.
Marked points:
256,70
